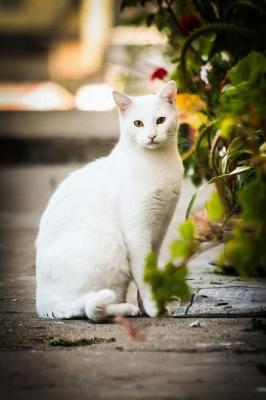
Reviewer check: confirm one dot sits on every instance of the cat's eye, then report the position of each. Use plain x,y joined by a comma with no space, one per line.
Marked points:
160,120
138,123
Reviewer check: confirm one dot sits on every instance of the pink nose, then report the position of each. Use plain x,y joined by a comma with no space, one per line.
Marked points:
152,137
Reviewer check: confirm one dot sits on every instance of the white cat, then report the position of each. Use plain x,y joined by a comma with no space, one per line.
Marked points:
105,218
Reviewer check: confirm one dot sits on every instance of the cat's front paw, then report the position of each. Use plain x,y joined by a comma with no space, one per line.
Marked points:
150,308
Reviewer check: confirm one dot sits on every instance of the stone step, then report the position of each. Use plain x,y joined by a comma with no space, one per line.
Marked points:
56,136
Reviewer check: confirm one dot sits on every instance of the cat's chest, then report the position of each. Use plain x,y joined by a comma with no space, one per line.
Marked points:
154,186
147,188
157,203
145,202
148,178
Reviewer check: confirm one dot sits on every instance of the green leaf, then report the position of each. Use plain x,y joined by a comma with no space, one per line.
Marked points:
214,207
166,283
235,145
252,67
253,201
193,199
223,163
187,231
177,281
184,247
236,171
245,253
235,151
180,249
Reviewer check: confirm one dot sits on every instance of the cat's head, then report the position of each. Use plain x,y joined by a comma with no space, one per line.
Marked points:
149,121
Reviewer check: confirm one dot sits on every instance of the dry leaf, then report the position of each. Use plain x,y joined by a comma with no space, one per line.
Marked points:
132,331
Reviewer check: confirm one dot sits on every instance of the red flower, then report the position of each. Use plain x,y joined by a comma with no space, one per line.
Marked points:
159,73
189,22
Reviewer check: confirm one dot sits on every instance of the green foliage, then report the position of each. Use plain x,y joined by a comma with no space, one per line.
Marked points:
170,282
229,150
215,208
251,68
253,200
246,251
184,246
245,95
236,171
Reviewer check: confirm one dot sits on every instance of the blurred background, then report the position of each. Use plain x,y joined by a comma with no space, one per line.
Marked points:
60,61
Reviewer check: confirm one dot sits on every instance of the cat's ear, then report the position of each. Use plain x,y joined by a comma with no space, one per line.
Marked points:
121,100
168,92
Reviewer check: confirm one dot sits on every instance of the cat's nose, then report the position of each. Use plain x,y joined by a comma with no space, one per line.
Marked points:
152,137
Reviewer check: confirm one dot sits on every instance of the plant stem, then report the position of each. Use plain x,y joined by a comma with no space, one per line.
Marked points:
204,247
170,10
211,28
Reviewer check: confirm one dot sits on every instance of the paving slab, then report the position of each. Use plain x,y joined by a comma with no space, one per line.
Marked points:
225,301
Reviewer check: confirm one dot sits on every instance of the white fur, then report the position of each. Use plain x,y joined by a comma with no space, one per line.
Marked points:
106,217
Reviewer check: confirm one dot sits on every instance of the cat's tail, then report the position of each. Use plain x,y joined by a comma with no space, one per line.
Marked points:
93,306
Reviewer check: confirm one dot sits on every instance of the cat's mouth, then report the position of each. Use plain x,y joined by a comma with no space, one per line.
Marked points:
153,145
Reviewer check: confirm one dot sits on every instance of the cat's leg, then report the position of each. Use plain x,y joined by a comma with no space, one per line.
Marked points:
139,245
144,233
96,306
92,305
102,304
64,291
61,309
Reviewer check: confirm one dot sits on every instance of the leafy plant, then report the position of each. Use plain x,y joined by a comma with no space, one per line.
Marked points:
217,49
170,281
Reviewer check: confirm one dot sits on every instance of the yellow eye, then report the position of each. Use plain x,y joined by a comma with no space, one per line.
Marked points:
160,120
138,123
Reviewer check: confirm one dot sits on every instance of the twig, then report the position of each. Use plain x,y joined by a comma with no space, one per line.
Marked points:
170,10
204,247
